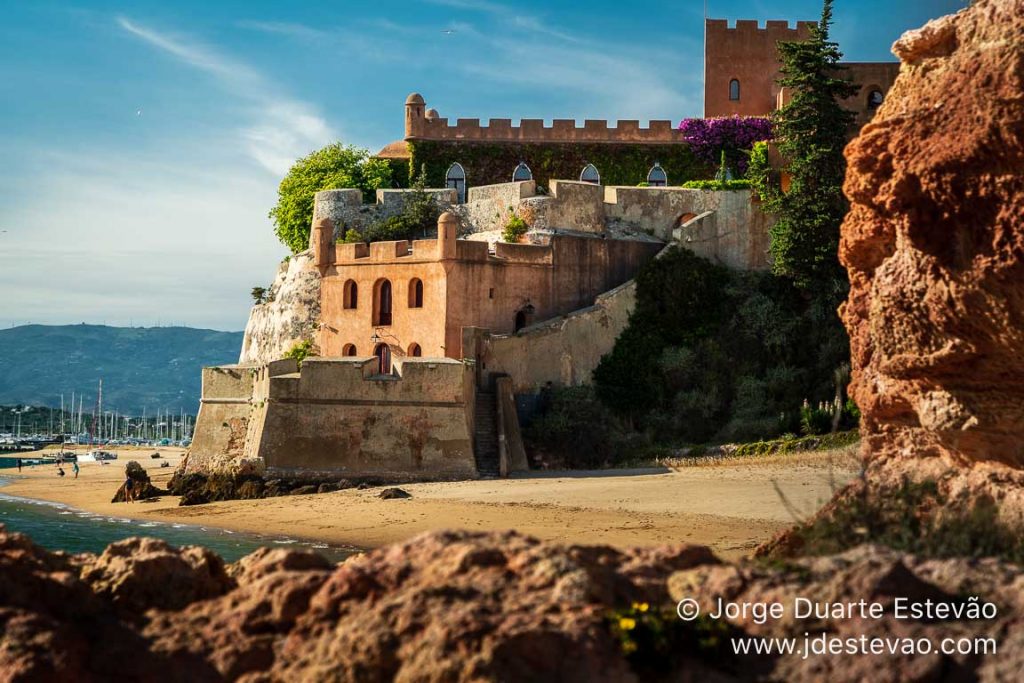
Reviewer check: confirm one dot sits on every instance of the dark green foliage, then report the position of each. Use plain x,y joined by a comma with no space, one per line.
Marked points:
259,295
574,430
717,184
715,354
487,163
334,166
812,130
913,517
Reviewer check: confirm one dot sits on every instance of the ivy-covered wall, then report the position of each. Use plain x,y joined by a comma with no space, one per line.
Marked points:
487,163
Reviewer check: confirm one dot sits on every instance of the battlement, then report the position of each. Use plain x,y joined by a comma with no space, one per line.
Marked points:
421,124
778,29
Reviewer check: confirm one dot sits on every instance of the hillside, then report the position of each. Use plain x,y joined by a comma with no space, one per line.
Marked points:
151,367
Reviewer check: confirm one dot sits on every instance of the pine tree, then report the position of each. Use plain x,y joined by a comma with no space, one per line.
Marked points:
811,131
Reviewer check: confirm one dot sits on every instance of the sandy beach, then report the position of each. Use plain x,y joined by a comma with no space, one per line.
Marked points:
731,506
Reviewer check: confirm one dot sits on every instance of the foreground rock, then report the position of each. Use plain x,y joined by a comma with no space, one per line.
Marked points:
934,245
464,606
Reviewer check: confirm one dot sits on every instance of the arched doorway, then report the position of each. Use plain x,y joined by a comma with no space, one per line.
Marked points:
382,302
520,321
383,354
349,350
415,351
455,178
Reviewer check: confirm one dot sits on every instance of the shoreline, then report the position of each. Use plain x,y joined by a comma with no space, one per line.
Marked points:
730,507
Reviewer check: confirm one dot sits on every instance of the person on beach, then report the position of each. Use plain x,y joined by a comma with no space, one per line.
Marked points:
129,493
19,465
74,468
60,471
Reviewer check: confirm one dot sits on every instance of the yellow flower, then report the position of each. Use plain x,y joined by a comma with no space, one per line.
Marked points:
643,607
627,624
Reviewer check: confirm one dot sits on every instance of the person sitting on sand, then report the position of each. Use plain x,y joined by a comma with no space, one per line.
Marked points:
60,471
74,468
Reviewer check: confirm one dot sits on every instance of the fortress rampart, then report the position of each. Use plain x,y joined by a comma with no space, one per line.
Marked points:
424,124
338,416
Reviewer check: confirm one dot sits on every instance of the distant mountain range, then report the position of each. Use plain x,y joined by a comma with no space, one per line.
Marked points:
141,367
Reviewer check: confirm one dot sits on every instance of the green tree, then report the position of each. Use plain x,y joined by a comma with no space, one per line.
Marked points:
334,166
811,131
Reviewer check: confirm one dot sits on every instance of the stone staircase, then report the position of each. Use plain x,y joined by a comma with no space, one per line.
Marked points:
485,435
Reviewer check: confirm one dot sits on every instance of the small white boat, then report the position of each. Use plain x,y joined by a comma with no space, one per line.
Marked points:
97,456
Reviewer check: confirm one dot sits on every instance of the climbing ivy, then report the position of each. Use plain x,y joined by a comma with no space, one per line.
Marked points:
487,163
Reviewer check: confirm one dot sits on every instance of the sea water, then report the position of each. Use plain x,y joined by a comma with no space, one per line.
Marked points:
56,526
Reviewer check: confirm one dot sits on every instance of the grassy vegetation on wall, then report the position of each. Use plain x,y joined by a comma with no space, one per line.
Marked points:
487,163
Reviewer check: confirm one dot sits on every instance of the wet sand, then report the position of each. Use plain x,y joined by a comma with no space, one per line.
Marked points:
731,506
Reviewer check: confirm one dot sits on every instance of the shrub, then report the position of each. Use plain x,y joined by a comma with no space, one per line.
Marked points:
728,136
259,294
416,220
300,351
740,184
515,227
759,171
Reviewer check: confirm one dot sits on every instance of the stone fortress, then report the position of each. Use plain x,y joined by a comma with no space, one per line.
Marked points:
429,352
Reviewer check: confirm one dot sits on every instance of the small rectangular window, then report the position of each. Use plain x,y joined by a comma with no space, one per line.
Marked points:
490,294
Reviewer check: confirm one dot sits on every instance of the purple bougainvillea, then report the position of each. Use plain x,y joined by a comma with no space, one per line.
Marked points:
709,137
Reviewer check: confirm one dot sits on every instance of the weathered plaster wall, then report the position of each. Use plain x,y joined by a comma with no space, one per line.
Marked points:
345,207
488,207
736,235
290,314
337,416
564,350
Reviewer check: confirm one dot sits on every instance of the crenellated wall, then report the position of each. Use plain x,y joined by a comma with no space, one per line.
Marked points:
420,124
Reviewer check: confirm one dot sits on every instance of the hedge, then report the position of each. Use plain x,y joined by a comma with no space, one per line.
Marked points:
717,184
488,163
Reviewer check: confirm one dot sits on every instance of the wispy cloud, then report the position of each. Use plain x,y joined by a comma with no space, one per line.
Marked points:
511,16
280,128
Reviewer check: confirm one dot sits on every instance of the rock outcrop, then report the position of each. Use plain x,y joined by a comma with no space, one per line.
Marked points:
934,245
142,487
290,314
467,606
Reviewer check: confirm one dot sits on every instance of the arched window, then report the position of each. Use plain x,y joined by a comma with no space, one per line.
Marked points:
415,351
383,353
456,178
589,174
350,296
522,172
875,98
415,293
382,302
657,177
734,90
520,321
349,350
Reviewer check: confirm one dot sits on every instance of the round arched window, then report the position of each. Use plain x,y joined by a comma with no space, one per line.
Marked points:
522,173
734,90
657,177
415,351
349,350
875,98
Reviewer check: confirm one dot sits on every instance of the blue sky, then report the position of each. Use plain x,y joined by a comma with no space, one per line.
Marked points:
141,143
